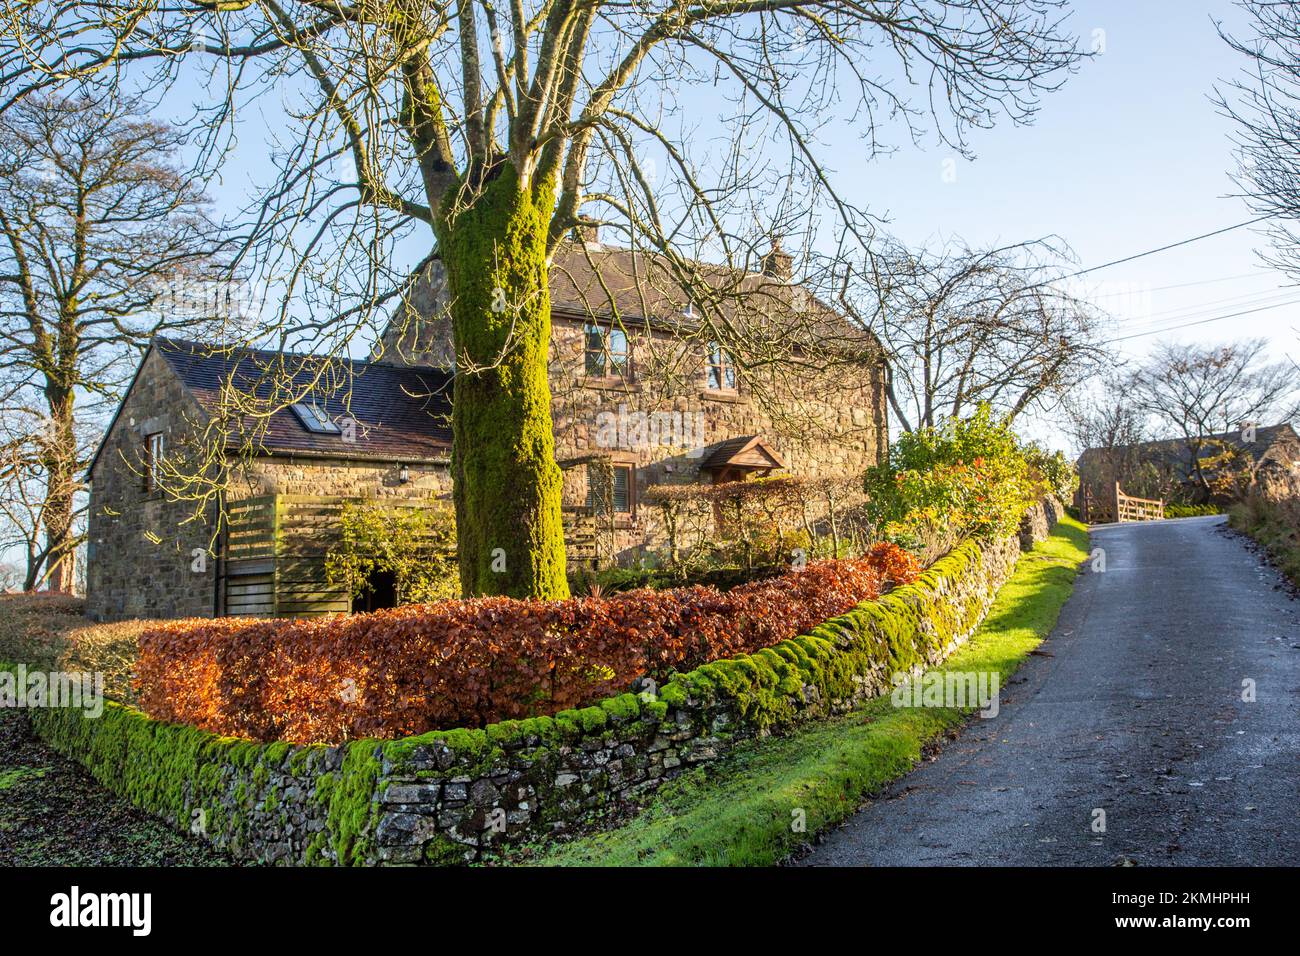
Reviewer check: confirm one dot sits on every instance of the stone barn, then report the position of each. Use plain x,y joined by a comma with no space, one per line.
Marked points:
1167,468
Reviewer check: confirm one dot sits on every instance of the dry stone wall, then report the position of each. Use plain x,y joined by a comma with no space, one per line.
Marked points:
446,797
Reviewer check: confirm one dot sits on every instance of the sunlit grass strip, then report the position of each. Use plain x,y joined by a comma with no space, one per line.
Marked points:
743,810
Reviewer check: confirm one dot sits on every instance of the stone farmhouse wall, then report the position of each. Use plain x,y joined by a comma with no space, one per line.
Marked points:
333,477
142,545
839,428
448,796
140,559
822,424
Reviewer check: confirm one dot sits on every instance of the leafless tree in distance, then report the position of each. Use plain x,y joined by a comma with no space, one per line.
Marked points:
1194,393
965,326
100,230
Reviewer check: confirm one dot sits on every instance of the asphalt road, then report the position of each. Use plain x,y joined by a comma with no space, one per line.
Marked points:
1135,708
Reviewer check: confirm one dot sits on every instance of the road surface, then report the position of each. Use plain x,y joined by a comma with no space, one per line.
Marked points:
1135,708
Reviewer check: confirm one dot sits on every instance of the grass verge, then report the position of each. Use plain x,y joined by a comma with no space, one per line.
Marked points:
1276,526
52,813
741,810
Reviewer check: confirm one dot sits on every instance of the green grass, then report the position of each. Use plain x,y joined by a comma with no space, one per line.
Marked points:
1276,526
741,810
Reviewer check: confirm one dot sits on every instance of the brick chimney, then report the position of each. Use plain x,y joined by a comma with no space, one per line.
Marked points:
778,264
587,233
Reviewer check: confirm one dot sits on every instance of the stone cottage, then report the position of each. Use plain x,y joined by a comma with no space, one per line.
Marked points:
640,396
1165,468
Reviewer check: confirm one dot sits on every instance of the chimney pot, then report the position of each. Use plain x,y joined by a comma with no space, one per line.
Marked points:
778,264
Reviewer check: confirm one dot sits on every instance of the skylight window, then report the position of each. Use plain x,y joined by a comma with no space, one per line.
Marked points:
315,419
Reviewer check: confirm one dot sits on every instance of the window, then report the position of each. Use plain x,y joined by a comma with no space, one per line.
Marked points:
607,351
623,487
315,419
722,371
153,453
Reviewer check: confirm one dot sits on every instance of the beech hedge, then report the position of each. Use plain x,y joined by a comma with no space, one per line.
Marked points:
469,663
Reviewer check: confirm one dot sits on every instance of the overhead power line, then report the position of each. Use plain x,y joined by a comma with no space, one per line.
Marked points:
1215,305
1185,285
1217,318
1166,248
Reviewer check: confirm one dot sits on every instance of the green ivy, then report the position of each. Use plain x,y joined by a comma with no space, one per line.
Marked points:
416,543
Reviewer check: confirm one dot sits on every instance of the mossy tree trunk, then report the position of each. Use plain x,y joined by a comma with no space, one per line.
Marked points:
59,462
506,482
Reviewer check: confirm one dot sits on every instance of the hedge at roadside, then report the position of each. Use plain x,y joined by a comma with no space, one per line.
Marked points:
905,630
469,663
1191,511
326,804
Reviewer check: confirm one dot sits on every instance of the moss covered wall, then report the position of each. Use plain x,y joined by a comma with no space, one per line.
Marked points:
446,796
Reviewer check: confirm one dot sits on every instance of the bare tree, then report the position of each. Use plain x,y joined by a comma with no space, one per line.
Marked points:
1264,102
498,130
98,229
967,326
1195,393
1105,419
1108,429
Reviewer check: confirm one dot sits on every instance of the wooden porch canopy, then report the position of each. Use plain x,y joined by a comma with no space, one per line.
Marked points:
737,458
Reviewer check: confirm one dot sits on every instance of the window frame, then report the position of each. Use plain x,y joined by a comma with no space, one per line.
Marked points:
153,459
313,417
629,493
602,361
720,363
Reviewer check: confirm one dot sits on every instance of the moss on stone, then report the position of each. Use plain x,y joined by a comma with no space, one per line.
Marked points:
505,480
352,807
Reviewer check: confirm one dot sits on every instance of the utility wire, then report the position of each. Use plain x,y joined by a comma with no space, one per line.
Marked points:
1216,305
1172,245
1184,285
1217,318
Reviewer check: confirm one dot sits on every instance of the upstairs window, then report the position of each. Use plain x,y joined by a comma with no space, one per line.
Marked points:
315,419
722,371
153,454
607,352
622,491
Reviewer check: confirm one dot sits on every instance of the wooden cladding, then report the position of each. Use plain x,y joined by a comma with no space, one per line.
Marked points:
275,556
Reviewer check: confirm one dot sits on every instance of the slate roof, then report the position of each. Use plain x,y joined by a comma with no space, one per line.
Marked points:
401,413
591,279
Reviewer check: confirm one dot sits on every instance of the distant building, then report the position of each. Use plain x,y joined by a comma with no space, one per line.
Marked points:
1167,468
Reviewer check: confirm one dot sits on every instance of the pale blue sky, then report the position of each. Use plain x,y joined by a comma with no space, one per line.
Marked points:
1130,155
